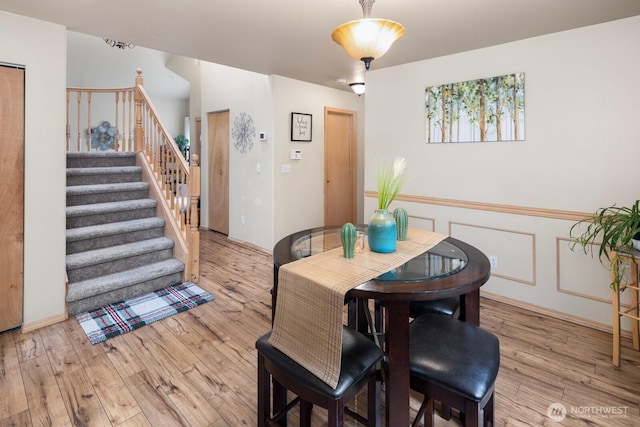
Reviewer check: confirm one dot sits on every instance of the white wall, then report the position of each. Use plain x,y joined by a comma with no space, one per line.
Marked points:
93,63
273,204
580,154
41,48
299,195
250,191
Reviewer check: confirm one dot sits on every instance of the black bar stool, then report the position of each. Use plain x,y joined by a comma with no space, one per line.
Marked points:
360,366
445,306
455,363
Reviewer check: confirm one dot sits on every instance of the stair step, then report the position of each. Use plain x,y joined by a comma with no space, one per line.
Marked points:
104,235
93,293
100,158
102,213
103,175
100,262
101,193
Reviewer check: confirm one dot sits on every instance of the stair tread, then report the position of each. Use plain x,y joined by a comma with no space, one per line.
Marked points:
103,170
101,230
97,208
103,255
92,154
74,190
99,285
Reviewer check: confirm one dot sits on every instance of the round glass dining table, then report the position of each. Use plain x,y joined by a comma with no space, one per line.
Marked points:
452,268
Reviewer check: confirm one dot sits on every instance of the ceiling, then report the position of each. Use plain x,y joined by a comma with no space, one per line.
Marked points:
293,38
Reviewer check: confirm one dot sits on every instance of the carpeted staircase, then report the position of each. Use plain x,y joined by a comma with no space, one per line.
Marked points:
116,247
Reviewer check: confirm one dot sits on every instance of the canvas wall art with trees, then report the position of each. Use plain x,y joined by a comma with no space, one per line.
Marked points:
487,109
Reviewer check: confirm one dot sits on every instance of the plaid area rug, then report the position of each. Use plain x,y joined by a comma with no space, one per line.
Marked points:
122,317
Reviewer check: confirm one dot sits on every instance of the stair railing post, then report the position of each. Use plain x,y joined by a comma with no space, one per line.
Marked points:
139,131
193,235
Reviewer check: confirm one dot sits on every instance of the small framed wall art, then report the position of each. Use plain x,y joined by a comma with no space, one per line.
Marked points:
301,127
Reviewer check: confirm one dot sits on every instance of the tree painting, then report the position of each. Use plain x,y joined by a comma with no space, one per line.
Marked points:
489,109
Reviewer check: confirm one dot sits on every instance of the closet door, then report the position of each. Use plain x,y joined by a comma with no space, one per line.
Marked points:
11,196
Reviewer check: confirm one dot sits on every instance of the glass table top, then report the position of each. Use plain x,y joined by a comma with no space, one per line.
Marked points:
442,260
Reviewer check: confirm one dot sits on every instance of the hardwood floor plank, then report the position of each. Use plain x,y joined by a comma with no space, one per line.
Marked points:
46,404
115,397
60,351
18,420
158,409
124,360
80,398
12,390
231,392
138,420
29,345
166,372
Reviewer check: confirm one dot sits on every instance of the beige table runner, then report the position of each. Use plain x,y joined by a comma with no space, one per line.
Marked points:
309,308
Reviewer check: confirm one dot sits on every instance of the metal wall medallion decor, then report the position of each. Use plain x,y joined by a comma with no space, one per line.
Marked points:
483,110
103,136
243,132
301,127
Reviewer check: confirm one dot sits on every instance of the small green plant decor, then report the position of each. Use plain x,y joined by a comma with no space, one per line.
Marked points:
389,179
611,229
182,142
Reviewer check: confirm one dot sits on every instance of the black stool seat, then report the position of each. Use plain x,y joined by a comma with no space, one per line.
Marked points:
359,366
446,306
455,363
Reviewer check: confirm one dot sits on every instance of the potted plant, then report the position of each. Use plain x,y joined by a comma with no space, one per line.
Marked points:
382,231
182,142
612,228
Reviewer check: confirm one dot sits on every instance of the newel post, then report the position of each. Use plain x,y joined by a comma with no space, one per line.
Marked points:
138,130
193,233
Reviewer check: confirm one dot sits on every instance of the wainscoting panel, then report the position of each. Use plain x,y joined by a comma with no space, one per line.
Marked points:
514,250
583,275
421,222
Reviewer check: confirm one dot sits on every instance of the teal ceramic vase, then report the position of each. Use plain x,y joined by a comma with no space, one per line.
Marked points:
348,239
402,222
381,232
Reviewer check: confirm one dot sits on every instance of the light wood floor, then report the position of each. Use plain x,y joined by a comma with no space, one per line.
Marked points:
198,368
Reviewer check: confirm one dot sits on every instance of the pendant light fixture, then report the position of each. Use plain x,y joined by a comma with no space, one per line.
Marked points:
368,38
118,44
357,88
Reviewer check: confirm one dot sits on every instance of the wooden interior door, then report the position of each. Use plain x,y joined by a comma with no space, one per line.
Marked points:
12,196
340,166
218,143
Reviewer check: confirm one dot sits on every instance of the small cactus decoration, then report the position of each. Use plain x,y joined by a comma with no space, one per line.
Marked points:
348,237
402,222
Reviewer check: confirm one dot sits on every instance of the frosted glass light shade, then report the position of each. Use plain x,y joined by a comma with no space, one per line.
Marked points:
357,88
367,39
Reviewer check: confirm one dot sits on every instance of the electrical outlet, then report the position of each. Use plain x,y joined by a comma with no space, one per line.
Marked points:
493,260
242,219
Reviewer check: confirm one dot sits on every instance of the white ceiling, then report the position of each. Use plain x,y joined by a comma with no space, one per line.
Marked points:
292,37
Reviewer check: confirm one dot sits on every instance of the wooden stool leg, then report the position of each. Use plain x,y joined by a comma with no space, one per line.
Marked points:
615,303
336,413
489,412
264,393
430,414
279,401
373,403
634,305
305,413
445,412
472,414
